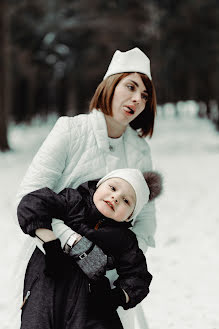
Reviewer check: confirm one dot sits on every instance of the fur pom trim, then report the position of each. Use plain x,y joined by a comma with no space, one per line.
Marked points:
154,181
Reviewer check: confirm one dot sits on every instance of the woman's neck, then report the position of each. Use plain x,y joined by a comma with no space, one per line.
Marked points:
114,129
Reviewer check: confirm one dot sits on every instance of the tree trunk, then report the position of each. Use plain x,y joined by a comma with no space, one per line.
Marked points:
3,53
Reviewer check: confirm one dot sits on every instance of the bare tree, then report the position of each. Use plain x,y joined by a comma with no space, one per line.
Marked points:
3,74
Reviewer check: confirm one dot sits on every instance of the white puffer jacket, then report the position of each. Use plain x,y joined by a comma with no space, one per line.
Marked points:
77,150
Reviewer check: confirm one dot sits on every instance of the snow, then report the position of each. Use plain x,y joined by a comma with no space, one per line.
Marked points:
185,262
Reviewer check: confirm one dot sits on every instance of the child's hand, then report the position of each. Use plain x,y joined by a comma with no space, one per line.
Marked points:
104,299
57,262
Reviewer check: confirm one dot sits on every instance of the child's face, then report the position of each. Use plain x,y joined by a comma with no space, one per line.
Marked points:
115,198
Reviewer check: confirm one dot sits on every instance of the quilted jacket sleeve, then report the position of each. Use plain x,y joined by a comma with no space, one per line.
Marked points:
129,260
144,225
37,209
49,162
48,165
134,277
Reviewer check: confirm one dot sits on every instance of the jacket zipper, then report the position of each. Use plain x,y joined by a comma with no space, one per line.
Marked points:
28,293
25,299
100,222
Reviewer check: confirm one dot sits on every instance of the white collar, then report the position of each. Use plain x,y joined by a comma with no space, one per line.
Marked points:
100,131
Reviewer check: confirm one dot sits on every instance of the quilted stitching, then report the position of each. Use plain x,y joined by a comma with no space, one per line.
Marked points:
70,156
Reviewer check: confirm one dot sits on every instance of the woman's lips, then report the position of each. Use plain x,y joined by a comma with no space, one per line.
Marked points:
129,109
109,204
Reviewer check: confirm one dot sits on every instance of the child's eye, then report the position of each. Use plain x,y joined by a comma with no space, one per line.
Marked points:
126,201
112,188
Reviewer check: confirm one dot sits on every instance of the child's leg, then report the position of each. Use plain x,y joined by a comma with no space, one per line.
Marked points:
71,300
97,321
54,303
37,309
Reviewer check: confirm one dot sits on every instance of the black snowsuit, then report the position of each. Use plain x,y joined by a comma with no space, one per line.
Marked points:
77,210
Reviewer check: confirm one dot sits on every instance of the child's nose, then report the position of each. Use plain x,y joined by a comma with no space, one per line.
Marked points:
115,199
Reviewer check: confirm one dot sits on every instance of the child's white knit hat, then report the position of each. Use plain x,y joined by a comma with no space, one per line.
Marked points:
135,178
133,60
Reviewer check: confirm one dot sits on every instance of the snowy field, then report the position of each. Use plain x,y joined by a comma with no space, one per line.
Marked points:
185,263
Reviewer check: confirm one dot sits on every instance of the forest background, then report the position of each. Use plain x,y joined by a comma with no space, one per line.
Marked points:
54,53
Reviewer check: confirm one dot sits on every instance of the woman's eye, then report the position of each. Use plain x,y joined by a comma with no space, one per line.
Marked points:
145,97
112,188
130,87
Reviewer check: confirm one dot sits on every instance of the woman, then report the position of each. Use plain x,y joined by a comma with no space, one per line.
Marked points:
87,147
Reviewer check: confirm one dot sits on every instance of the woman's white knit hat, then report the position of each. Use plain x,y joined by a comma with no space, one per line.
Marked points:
135,178
133,60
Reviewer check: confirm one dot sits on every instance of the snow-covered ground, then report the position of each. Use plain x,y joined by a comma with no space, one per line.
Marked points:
185,263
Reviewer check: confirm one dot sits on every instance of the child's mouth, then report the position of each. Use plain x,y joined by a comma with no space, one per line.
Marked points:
109,204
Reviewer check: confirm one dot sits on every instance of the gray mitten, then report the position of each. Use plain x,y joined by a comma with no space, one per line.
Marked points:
90,258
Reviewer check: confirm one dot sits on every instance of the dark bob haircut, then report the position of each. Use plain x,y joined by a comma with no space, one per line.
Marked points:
103,96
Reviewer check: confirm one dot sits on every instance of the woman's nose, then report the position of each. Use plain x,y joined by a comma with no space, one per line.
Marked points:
136,98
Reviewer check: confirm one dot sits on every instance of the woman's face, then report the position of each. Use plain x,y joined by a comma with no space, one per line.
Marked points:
129,99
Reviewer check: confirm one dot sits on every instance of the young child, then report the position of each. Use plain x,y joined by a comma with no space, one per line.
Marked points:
101,212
